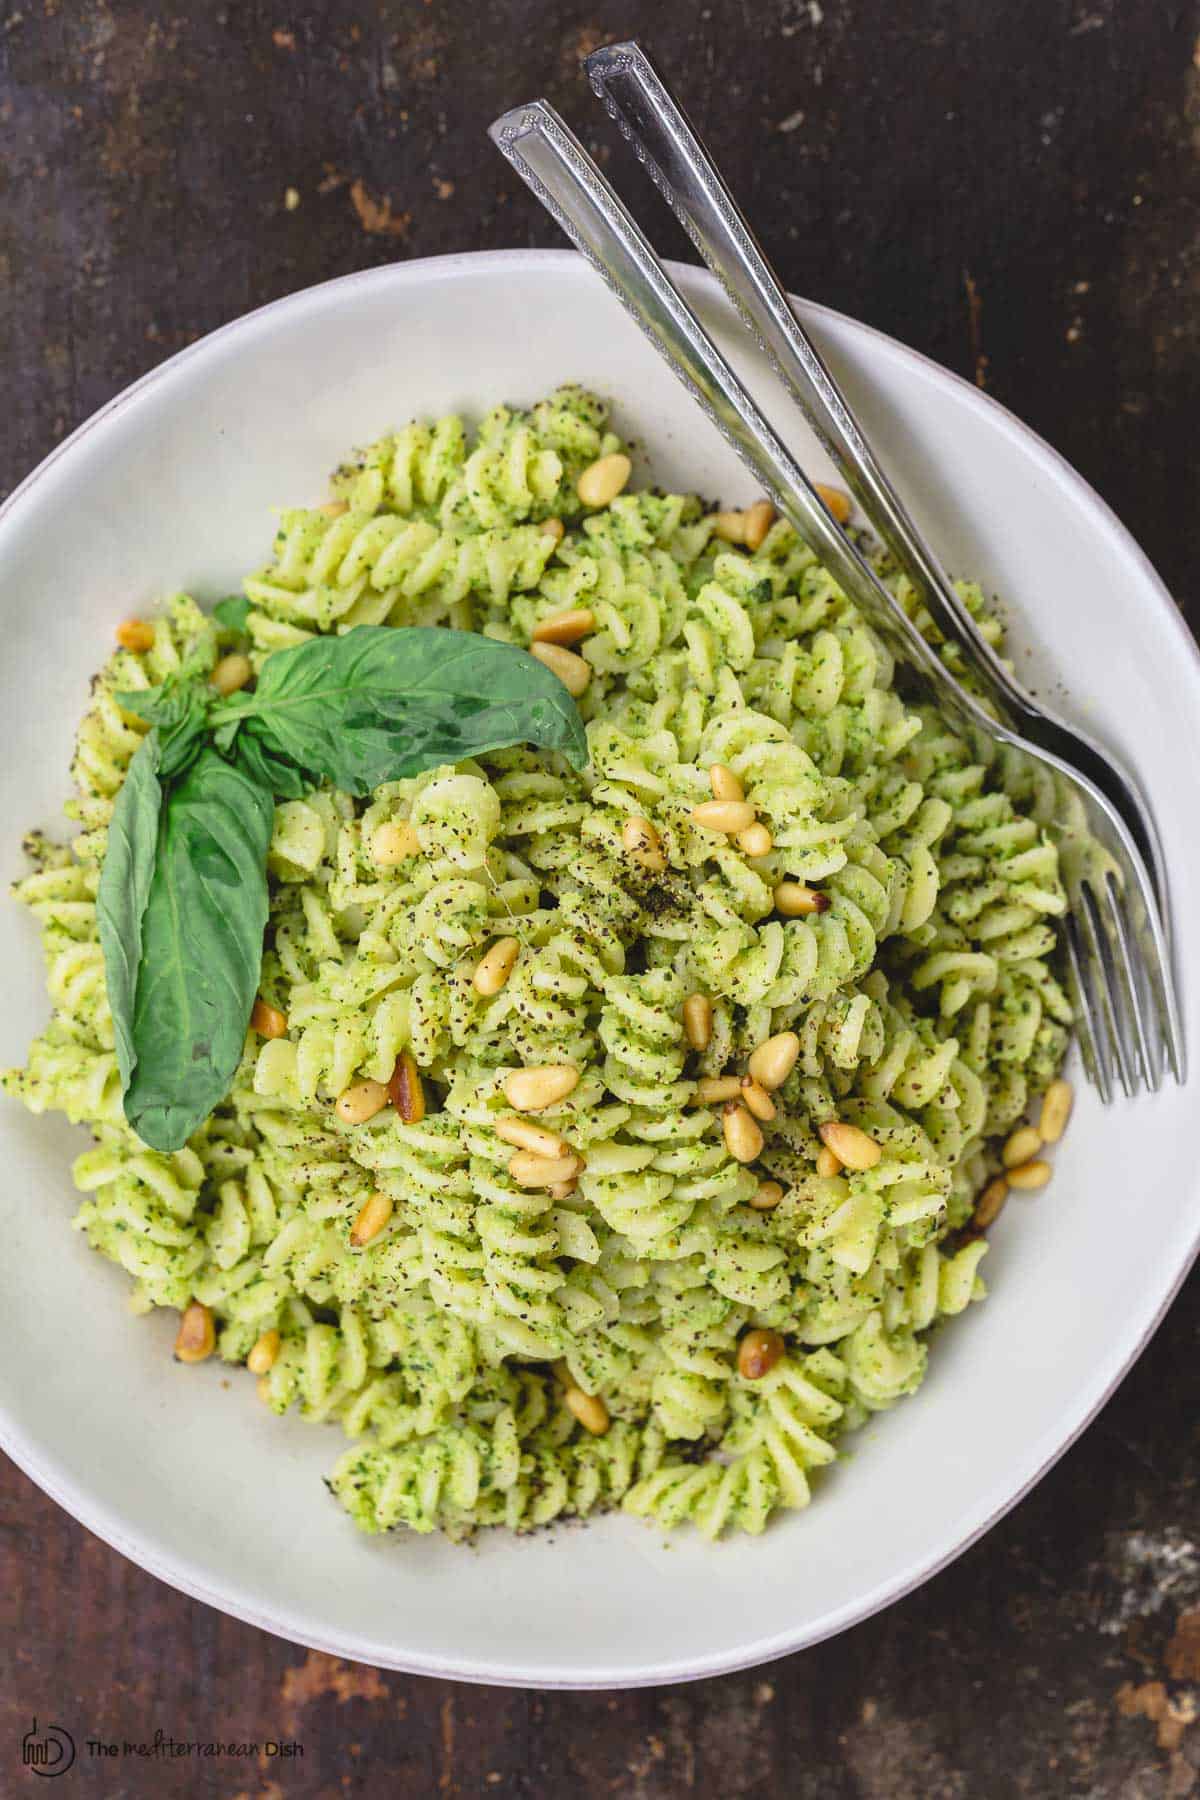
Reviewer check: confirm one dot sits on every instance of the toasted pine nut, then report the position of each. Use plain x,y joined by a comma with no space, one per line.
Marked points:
589,1409
360,1102
530,1170
774,1060
528,1136
990,1203
262,1355
723,815
756,840
394,843
759,519
373,1216
602,481
827,1163
766,1196
793,900
1030,1175
532,1090
1024,1143
725,784
135,635
643,844
758,1353
552,528
731,526
197,1337
333,509
565,627
712,1089
1056,1110
406,1091
852,1147
571,670
757,1099
698,1020
743,1137
231,673
495,967
562,1190
837,502
268,1021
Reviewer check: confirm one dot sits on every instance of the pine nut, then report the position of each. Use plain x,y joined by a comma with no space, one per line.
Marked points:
723,815
698,1020
1056,1110
756,840
532,1090
571,670
528,1136
197,1337
712,1089
565,627
827,1163
730,526
231,673
562,1190
1024,1143
990,1203
360,1102
262,1355
532,1171
394,843
333,509
758,1353
603,480
766,1196
135,635
494,968
1030,1175
552,529
852,1147
759,519
643,844
725,784
757,1099
589,1409
837,502
406,1091
774,1060
371,1220
268,1021
793,900
743,1138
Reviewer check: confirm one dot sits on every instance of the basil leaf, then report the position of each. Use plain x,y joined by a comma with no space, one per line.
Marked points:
124,890
380,703
179,710
266,766
232,612
201,949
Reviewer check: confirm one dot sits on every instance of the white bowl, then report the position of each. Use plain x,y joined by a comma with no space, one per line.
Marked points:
181,1469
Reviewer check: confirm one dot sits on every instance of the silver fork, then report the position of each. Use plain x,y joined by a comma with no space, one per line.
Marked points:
1116,944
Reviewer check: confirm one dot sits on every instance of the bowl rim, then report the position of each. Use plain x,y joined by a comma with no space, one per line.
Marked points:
191,1577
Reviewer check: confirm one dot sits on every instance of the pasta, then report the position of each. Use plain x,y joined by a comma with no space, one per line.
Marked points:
503,1354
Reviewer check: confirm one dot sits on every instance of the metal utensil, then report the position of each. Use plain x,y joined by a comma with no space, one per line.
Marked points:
1115,940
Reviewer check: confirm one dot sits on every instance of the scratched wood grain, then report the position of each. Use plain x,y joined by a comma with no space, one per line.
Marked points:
1012,188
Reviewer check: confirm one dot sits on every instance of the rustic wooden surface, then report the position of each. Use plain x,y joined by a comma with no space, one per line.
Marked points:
1011,187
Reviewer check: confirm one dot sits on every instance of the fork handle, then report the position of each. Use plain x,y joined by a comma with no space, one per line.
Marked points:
551,160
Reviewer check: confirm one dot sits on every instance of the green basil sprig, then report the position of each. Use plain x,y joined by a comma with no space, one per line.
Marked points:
182,902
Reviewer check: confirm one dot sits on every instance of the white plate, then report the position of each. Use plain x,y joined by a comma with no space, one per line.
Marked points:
171,486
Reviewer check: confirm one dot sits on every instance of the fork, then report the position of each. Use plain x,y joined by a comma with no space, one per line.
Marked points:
1116,943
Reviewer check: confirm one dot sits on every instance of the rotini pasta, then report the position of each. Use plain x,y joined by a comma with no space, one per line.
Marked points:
502,1350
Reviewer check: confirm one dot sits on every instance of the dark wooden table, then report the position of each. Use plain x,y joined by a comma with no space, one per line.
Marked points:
1009,185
